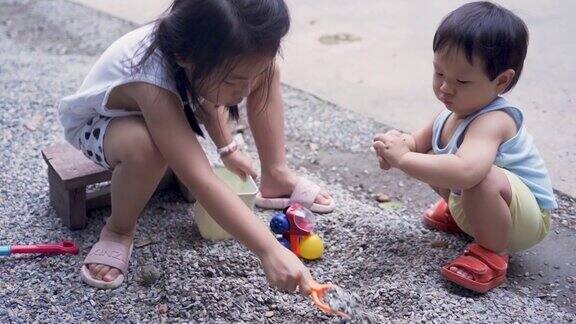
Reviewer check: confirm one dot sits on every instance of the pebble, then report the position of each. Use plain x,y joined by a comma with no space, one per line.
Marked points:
439,244
162,308
382,197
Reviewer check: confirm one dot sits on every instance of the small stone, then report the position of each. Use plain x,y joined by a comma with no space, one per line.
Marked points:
314,146
557,267
382,197
34,122
142,243
162,308
149,274
439,244
269,314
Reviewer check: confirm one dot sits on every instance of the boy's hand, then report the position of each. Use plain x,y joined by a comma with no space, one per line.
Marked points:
384,165
391,147
239,163
285,271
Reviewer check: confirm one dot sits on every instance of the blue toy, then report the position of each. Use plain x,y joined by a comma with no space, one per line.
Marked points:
279,224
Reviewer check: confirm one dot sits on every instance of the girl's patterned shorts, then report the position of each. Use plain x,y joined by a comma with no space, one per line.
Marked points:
91,140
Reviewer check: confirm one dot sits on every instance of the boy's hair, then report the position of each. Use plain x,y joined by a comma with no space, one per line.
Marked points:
486,31
214,35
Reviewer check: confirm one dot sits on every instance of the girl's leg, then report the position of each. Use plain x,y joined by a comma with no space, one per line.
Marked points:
486,207
266,119
138,168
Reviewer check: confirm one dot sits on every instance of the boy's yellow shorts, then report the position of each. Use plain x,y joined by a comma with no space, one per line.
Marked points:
530,224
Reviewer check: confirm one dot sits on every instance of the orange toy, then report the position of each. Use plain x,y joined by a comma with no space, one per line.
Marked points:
318,292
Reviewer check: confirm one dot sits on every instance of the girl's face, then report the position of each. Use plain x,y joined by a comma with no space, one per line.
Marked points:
230,88
463,87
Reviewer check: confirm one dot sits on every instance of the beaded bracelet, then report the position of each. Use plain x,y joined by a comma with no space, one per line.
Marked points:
228,149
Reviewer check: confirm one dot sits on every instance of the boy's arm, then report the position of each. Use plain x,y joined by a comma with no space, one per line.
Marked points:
419,141
422,138
472,161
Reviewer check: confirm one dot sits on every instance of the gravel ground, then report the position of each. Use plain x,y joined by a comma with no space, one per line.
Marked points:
381,254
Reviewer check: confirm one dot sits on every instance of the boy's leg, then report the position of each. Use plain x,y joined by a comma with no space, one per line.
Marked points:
442,192
266,119
486,206
138,168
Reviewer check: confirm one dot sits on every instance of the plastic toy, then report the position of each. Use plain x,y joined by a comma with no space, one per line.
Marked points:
296,225
64,247
318,291
311,247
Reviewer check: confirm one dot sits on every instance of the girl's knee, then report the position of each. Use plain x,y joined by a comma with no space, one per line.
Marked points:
140,148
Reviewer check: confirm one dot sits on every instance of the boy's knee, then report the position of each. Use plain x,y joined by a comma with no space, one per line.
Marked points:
494,181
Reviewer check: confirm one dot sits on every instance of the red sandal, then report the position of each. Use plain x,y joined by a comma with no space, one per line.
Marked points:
439,218
488,269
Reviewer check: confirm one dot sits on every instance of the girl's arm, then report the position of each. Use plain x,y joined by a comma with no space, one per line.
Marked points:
216,120
472,161
217,124
178,144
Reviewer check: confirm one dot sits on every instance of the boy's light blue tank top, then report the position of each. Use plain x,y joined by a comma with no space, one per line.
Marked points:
517,155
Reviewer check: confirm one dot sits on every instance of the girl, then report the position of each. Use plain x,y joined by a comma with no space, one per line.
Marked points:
137,113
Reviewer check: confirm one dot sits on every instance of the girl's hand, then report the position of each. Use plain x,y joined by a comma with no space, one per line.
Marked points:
239,163
391,147
285,271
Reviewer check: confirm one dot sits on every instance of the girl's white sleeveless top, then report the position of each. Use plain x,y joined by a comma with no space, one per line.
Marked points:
112,69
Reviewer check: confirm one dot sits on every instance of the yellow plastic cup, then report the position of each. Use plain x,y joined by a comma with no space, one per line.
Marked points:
245,189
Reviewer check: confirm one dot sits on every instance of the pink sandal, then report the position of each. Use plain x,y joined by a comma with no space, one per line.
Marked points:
305,193
107,253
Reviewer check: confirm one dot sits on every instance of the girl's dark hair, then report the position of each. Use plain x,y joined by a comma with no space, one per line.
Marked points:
213,35
489,32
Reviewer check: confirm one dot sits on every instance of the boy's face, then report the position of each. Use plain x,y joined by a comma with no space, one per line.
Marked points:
462,87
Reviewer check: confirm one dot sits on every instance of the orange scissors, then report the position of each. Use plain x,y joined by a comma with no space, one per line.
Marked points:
318,291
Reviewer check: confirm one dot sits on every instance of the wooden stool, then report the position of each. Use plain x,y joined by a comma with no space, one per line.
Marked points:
69,173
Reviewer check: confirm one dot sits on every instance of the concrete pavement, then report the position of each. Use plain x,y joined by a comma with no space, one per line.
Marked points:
374,57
